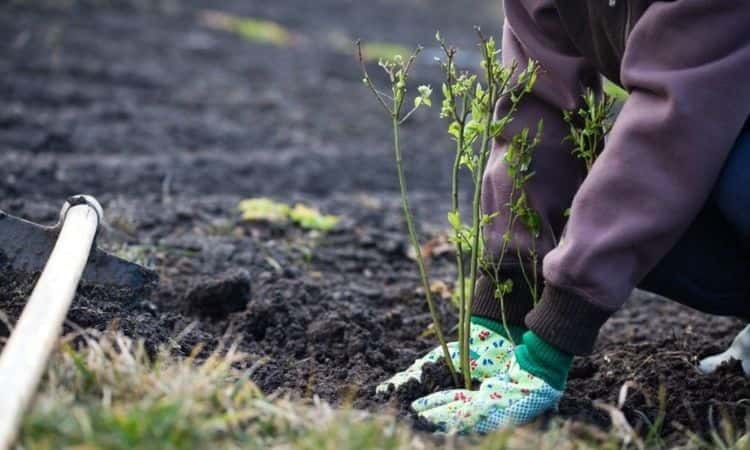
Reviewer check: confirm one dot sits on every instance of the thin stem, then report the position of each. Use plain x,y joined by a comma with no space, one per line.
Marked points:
484,150
498,264
476,209
465,323
407,115
512,217
399,91
535,274
417,250
534,280
464,315
505,321
532,287
369,83
384,95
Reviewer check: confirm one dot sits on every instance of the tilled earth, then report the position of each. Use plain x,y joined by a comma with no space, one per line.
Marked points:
170,123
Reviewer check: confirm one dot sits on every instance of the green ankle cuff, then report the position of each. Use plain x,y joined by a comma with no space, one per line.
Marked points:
543,360
512,332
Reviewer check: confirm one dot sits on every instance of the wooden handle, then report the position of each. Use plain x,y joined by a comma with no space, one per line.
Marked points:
25,355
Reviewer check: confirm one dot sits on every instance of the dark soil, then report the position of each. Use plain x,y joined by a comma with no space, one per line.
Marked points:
218,297
170,123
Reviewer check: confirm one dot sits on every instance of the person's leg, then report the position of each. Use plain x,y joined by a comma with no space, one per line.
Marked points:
733,188
709,267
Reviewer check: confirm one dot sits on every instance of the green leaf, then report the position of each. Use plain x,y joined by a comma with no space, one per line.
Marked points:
263,209
454,130
266,210
503,288
425,94
487,219
615,91
311,219
454,218
496,128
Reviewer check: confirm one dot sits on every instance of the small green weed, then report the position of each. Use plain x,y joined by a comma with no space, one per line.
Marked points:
250,28
267,210
264,209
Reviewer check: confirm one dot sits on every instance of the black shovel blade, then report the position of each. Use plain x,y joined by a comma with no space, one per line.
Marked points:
25,247
105,269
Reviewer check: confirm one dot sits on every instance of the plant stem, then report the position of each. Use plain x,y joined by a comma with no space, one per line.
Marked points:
464,315
418,251
476,210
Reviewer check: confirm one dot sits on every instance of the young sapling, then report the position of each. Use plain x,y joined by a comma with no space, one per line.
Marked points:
469,104
457,86
398,70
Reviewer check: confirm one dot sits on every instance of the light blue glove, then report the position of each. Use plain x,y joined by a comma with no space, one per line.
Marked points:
490,354
513,398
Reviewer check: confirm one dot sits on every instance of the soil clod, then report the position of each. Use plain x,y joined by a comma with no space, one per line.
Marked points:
221,296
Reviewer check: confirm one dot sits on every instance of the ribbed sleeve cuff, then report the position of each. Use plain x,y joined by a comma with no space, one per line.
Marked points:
514,306
567,320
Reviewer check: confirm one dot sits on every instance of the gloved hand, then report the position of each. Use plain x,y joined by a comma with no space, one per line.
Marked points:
511,398
490,354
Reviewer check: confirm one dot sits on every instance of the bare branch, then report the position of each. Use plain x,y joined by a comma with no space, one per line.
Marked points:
368,80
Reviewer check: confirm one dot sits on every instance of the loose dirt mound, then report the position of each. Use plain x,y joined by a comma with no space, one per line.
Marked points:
170,123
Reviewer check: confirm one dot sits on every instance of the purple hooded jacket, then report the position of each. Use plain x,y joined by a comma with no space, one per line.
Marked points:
686,65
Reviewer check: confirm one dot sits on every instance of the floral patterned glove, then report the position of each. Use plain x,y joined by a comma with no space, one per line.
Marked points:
490,354
512,398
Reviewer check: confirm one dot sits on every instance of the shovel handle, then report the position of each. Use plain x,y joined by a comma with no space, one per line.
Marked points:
25,355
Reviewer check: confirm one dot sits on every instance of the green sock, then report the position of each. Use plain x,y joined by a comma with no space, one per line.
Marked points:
543,360
512,332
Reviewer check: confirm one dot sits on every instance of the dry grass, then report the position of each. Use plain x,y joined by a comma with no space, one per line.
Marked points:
111,394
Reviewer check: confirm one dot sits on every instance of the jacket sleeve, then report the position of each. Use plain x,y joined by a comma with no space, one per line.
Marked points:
685,66
533,31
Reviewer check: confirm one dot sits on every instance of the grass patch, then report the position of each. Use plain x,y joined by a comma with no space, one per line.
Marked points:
112,394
